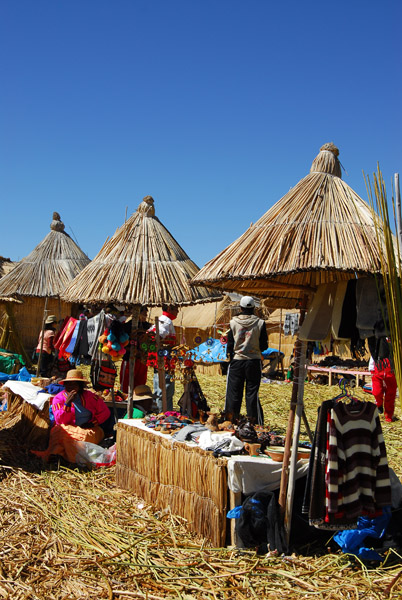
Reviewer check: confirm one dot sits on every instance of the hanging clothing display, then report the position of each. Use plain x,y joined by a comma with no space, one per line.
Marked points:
348,472
317,323
371,308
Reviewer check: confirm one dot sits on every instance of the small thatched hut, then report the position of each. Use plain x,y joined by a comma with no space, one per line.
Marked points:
41,275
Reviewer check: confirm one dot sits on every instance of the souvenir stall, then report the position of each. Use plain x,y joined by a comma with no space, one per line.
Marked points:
320,232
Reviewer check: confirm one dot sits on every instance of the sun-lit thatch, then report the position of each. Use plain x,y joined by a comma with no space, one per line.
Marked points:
6,265
320,231
141,264
48,269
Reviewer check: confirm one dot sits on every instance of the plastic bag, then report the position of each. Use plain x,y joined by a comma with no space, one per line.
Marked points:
94,455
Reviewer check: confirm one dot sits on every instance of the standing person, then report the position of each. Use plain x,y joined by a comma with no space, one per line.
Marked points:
166,332
247,338
383,379
47,334
140,368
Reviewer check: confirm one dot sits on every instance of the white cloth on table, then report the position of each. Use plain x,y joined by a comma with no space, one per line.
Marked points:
210,439
249,474
28,392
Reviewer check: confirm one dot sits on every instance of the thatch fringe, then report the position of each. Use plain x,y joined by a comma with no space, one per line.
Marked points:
141,264
171,474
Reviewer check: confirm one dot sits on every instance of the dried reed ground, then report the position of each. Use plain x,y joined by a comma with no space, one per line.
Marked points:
67,534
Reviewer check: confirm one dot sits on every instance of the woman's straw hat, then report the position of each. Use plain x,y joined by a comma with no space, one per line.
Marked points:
142,392
74,375
51,319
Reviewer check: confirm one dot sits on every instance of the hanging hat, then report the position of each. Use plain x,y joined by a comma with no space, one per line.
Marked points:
51,319
247,302
142,392
74,375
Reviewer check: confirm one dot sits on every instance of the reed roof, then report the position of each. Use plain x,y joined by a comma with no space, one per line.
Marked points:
5,266
141,264
320,231
48,269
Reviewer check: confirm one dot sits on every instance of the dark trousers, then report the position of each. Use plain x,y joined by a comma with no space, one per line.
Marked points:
242,372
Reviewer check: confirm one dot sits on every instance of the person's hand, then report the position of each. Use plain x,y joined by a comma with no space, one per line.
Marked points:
70,397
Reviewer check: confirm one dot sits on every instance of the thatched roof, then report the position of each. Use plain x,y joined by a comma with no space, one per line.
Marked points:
320,231
141,264
48,269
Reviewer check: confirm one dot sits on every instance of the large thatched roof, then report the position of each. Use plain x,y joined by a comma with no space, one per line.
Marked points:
141,264
320,231
48,269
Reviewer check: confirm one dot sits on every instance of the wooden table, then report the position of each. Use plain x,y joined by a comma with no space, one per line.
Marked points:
330,371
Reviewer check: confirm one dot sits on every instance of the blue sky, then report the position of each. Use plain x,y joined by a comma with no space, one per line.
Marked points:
214,107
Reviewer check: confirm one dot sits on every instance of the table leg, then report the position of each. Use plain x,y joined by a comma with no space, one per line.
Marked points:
235,500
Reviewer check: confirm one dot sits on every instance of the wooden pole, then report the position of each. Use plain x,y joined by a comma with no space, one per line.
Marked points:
161,366
292,413
295,443
133,351
42,337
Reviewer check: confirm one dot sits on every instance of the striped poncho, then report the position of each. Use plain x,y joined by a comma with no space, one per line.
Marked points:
357,468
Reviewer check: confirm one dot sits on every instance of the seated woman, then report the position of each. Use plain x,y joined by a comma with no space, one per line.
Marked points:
79,416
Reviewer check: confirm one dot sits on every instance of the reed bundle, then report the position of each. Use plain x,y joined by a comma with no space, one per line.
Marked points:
49,268
29,424
391,267
171,474
141,264
68,534
320,231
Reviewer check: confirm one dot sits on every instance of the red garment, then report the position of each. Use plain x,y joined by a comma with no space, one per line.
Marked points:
384,388
140,374
65,337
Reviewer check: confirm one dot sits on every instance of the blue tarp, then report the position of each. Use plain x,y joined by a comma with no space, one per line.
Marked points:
23,375
211,351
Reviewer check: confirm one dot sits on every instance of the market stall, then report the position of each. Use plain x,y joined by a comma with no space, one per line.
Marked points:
320,232
190,481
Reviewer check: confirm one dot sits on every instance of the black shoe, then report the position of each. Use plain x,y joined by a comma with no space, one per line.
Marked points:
380,409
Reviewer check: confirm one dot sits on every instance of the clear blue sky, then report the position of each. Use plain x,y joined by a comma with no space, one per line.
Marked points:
214,107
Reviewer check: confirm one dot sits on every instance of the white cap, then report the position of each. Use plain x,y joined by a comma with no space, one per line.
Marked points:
247,302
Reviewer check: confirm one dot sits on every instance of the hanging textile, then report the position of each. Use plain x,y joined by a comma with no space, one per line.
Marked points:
316,325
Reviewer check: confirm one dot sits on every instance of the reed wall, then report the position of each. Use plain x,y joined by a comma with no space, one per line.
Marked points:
165,473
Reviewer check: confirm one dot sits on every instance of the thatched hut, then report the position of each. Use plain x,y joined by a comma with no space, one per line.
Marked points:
42,275
142,264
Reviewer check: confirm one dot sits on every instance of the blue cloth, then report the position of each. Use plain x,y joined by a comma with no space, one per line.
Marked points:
82,414
23,375
53,388
351,540
214,352
71,345
269,351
